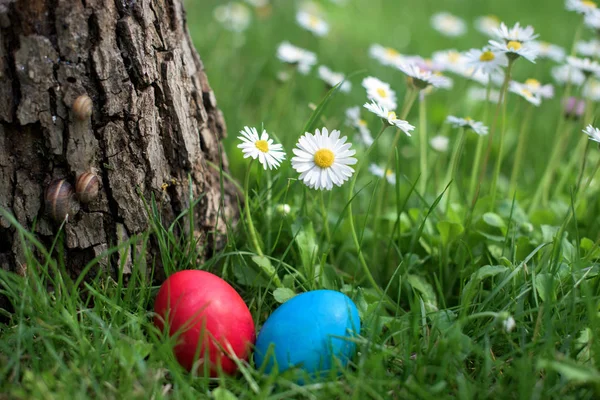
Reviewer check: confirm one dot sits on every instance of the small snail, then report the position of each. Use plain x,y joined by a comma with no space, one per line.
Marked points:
59,200
83,107
86,187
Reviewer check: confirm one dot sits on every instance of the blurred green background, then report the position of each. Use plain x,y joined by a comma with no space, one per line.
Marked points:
248,92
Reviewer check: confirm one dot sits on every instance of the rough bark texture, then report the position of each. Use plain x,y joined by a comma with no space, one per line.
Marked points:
155,122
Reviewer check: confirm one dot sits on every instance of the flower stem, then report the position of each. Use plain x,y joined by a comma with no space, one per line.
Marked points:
480,141
423,144
326,222
572,162
492,130
454,161
251,228
516,169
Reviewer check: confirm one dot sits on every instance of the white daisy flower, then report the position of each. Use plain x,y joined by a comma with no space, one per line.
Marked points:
233,16
589,49
480,94
509,324
353,119
515,34
439,143
467,123
450,60
323,160
581,6
524,92
422,78
381,92
591,90
593,133
448,24
487,24
544,91
312,23
381,173
269,155
385,55
486,60
565,73
548,50
585,65
333,78
283,209
390,117
515,49
291,54
592,20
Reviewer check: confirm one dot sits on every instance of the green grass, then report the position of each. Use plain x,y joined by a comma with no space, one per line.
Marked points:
446,278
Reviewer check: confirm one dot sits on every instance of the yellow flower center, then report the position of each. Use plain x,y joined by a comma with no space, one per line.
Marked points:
389,172
382,92
324,158
468,119
487,56
527,93
453,57
362,122
313,21
262,145
514,45
589,4
533,83
392,115
391,52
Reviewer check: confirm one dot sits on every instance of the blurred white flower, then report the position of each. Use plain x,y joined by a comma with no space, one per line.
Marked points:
385,55
565,73
283,209
515,34
486,60
380,172
353,119
589,49
258,3
487,24
476,75
467,123
422,78
585,65
381,92
593,133
389,117
581,6
312,23
269,155
548,50
523,91
544,91
291,54
333,78
439,143
515,49
450,60
233,16
509,324
592,20
591,90
448,24
323,160
480,94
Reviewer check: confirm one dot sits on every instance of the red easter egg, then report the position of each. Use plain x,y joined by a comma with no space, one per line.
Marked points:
209,313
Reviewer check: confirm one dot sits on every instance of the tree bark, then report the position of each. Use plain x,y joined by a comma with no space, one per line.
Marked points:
155,123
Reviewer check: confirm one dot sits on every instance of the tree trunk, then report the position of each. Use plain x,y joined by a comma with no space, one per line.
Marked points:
154,126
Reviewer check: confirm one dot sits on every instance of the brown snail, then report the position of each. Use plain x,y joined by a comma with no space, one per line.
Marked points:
83,107
59,200
86,187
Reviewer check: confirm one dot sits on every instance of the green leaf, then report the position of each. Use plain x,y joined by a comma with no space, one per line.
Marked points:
306,240
572,371
545,286
494,220
265,264
425,289
223,394
282,295
488,271
449,231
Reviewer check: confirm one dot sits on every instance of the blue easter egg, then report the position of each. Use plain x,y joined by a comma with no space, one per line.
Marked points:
307,331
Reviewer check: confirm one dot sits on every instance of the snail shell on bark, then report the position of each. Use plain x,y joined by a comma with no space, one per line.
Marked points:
87,187
59,200
83,107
